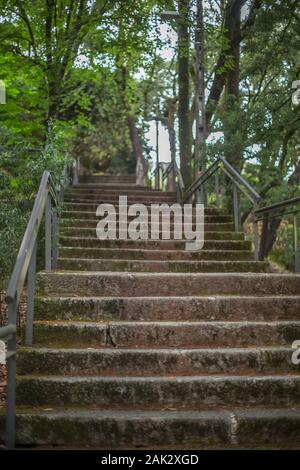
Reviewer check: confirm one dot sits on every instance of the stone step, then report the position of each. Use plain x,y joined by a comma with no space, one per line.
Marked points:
140,191
78,211
69,214
92,224
163,255
90,233
105,284
108,177
146,199
184,392
212,308
113,186
251,427
154,362
80,264
239,245
162,334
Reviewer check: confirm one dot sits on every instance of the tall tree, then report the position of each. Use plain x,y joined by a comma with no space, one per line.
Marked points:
49,34
185,144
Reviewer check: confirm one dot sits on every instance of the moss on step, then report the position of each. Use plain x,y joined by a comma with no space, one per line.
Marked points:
162,266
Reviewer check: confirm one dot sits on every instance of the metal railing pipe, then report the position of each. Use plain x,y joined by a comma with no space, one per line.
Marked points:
7,331
240,180
278,205
296,243
26,266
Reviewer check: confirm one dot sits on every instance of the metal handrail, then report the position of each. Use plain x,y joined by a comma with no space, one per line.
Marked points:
167,171
196,185
231,172
25,266
239,183
177,180
197,188
179,177
243,185
27,246
278,205
278,210
7,331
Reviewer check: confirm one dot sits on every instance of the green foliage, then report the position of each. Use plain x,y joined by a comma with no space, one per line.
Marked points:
13,221
62,64
283,250
21,169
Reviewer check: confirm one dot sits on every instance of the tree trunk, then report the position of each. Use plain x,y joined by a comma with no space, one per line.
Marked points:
269,230
172,137
231,110
200,151
141,167
185,143
232,148
54,94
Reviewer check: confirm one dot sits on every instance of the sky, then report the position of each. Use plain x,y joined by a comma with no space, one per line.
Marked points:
169,34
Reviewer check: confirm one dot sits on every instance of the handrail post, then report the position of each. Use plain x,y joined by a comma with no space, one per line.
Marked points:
76,170
173,175
255,238
263,239
200,195
217,189
31,293
55,239
236,209
157,178
10,427
179,194
48,234
202,189
296,243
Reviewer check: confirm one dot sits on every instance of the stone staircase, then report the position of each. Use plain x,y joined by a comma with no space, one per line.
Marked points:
141,344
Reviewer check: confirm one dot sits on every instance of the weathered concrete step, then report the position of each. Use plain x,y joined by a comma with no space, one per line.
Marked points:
116,429
90,233
88,211
69,214
119,186
124,186
88,227
112,199
92,223
80,264
167,362
184,392
105,284
215,308
145,200
91,194
239,245
179,334
80,232
164,255
108,177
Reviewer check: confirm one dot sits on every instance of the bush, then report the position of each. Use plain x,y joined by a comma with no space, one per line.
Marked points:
282,252
21,169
